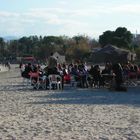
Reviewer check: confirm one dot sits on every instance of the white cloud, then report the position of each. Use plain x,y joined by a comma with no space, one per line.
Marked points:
63,2
128,9
8,14
69,21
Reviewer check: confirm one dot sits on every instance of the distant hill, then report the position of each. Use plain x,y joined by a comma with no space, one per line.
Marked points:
8,38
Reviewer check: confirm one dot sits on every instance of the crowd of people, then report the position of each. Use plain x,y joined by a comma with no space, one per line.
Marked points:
113,75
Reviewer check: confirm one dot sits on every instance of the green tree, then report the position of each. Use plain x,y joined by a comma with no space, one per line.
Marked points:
106,38
121,37
79,49
138,54
94,44
2,49
13,48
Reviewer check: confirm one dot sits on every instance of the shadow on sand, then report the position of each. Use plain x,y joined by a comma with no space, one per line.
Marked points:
91,97
16,87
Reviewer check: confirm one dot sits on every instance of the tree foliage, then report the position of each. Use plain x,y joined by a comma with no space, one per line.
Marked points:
121,37
41,47
76,47
80,47
2,49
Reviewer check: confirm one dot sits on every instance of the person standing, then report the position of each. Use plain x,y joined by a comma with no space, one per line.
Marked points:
118,71
52,64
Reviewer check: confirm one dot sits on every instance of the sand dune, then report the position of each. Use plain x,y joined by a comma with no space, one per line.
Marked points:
71,114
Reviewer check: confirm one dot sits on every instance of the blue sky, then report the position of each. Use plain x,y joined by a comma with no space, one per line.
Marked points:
67,17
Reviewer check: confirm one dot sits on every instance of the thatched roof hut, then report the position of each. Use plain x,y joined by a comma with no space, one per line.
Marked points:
113,54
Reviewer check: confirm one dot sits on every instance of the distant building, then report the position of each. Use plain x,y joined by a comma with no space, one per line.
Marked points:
60,58
136,38
27,59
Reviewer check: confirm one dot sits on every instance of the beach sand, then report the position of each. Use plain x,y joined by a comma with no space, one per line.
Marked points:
3,68
71,114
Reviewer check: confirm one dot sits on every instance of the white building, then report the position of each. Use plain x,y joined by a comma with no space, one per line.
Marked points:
61,58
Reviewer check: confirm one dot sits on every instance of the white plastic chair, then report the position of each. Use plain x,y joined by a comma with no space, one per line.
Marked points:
39,82
55,80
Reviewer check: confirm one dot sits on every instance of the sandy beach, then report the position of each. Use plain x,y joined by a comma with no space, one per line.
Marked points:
71,114
3,68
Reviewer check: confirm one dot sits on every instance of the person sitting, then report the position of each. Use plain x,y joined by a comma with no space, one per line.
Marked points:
106,70
106,74
28,69
91,75
75,72
83,74
98,81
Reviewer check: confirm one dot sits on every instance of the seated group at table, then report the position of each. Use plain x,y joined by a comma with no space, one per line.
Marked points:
84,76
